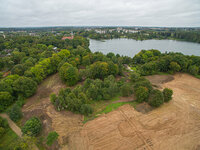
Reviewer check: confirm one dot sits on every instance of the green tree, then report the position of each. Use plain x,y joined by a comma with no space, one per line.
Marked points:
69,74
142,94
175,67
126,90
15,113
167,93
156,98
25,86
5,100
134,76
86,109
194,70
32,127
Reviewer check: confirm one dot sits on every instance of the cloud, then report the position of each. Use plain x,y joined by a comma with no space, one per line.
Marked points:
23,13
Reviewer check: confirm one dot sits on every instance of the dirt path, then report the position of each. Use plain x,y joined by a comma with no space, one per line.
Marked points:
12,125
15,128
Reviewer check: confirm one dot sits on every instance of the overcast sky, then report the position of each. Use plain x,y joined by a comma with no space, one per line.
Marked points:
26,13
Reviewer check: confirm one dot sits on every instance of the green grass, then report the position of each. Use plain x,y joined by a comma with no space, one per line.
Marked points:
197,76
106,106
8,138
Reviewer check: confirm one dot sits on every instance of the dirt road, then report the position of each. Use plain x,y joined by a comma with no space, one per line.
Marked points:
173,126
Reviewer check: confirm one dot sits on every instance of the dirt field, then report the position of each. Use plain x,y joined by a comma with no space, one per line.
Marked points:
64,123
173,126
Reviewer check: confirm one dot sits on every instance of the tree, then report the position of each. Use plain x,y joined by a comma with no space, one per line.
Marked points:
175,67
156,98
15,113
126,90
51,138
134,76
194,70
86,109
25,86
32,127
86,60
5,100
18,69
167,93
142,94
69,74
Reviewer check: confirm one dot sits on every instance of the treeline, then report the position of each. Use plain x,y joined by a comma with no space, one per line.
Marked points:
191,36
18,53
150,62
80,98
15,87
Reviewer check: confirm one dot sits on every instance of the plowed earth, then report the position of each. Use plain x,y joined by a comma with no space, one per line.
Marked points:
173,126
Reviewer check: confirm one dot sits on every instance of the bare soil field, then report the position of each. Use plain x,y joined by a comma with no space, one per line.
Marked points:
173,126
63,122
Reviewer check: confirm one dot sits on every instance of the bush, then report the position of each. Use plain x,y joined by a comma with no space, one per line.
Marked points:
126,90
167,93
156,98
32,127
15,113
86,109
51,138
142,94
5,100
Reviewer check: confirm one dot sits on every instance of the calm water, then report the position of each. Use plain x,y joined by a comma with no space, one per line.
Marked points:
130,47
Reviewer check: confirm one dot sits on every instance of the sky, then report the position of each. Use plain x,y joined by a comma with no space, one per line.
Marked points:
160,13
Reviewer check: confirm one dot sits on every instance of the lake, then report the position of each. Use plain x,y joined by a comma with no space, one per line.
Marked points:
130,47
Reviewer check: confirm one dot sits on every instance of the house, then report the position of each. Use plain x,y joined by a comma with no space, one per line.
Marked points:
68,37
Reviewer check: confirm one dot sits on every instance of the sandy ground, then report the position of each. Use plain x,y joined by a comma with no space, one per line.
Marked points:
173,126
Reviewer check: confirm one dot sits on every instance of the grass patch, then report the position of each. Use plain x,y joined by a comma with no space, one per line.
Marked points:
197,76
106,106
8,138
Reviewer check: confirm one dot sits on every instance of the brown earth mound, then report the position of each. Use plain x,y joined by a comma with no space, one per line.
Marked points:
173,126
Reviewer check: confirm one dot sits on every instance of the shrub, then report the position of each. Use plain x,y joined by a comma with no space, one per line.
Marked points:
32,127
156,98
51,138
167,93
5,100
15,113
141,94
86,109
126,90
